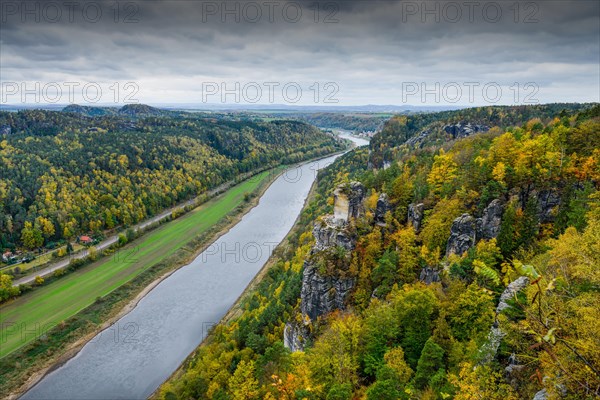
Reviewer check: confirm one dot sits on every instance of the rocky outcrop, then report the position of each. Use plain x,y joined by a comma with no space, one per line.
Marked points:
464,129
547,205
429,275
541,395
295,335
512,370
510,292
5,130
325,291
490,348
418,140
348,201
466,230
489,224
332,232
415,215
457,131
463,235
383,206
322,294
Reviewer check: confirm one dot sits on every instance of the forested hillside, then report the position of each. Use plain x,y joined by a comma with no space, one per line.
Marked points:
357,122
469,268
436,128
67,173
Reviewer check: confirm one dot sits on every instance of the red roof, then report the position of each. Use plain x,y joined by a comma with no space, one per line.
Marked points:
85,238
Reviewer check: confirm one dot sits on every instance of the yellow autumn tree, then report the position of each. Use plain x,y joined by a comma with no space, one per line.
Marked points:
443,173
480,382
334,357
242,384
46,226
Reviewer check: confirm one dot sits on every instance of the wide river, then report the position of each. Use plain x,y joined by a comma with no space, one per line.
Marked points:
130,359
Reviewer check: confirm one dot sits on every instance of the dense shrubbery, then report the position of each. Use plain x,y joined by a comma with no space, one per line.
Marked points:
357,122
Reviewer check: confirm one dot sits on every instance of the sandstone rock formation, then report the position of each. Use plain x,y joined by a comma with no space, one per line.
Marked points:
466,230
463,235
415,215
489,223
457,131
489,350
464,129
348,201
429,275
419,139
295,335
332,232
325,291
510,292
383,206
322,294
547,204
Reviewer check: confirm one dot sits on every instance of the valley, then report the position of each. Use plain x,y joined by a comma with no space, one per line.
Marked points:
211,283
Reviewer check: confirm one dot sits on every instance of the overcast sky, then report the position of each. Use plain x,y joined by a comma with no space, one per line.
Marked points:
339,53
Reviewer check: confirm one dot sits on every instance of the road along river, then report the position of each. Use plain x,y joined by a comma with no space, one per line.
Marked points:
130,359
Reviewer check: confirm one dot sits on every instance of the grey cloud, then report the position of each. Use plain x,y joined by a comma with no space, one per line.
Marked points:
373,48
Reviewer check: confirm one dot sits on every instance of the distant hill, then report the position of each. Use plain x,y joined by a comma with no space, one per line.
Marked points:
140,109
130,110
89,110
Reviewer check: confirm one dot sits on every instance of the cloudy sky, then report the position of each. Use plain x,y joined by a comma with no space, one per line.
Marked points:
300,52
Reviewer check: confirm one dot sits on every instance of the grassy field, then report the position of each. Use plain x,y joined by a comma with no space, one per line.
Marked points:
25,318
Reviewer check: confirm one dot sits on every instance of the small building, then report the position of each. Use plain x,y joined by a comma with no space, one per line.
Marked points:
85,240
7,256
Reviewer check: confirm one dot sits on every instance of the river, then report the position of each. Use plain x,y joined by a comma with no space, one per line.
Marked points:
131,358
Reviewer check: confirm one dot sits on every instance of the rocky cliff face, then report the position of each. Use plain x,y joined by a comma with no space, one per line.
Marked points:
323,292
466,230
383,206
418,140
464,129
456,131
463,235
489,350
295,335
429,275
415,215
547,204
332,232
488,226
348,201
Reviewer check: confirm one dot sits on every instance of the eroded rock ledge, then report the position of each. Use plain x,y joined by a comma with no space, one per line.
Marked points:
325,289
467,230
